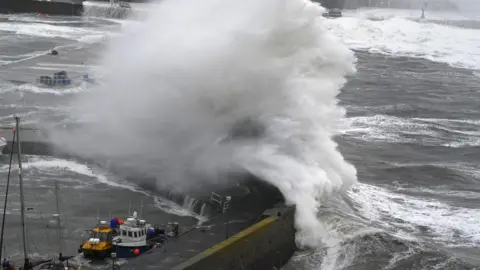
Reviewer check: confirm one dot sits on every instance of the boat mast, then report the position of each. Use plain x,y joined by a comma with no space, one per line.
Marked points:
59,228
22,202
6,194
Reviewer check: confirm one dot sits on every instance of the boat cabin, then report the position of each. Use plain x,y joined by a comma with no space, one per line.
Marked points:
132,232
99,244
102,234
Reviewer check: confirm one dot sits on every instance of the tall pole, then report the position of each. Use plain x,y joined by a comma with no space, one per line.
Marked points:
22,202
6,193
424,7
59,228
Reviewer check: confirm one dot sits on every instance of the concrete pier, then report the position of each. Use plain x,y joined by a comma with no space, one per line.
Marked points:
268,244
253,240
52,7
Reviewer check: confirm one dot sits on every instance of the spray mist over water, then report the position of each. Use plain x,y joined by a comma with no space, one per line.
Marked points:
206,88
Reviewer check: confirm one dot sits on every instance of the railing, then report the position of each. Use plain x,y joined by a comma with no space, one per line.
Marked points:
224,204
123,4
214,197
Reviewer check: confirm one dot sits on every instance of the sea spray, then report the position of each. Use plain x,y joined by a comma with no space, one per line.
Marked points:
206,88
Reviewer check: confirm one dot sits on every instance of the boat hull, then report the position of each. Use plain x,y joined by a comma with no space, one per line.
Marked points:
128,252
96,254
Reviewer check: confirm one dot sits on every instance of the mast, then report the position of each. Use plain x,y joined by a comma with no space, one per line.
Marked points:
59,228
22,202
424,6
6,195
98,216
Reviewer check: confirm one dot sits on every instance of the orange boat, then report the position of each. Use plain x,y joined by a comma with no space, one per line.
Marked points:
99,245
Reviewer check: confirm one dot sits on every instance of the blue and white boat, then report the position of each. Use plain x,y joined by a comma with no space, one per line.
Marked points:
135,236
3,143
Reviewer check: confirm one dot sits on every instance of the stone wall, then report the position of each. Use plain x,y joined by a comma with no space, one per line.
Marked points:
267,244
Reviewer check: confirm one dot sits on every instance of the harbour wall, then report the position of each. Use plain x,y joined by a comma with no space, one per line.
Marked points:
331,4
267,244
51,7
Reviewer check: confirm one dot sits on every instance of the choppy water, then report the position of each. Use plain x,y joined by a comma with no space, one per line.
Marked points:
413,138
414,142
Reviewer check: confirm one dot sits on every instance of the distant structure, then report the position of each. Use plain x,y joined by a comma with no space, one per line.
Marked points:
423,8
404,4
332,4
50,7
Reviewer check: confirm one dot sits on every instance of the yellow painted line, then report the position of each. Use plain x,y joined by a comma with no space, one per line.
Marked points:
224,244
239,236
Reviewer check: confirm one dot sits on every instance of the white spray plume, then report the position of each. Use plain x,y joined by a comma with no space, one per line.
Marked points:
181,81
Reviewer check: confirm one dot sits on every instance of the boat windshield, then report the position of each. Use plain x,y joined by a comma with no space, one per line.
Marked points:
103,236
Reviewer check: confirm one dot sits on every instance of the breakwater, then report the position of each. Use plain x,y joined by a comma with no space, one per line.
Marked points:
51,7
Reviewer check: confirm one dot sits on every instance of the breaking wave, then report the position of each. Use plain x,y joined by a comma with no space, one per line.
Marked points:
437,220
443,132
46,30
393,33
201,90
